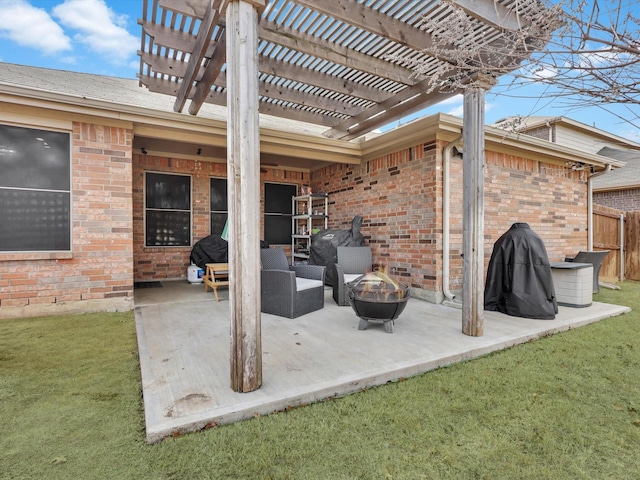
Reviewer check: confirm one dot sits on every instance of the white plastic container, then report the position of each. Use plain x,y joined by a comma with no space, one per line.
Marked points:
195,274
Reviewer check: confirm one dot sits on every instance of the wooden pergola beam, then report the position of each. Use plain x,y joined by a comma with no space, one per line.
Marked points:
168,87
325,81
210,74
494,14
325,50
192,8
270,66
203,38
278,110
395,106
358,14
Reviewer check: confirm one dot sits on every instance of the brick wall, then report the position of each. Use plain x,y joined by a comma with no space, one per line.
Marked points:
400,198
540,132
98,274
153,263
552,199
626,200
398,195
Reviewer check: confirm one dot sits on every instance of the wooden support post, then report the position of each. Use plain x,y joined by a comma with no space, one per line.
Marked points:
473,214
243,183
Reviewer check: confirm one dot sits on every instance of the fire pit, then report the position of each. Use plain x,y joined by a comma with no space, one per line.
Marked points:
376,296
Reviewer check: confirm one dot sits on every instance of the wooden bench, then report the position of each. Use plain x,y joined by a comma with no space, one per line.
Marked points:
216,275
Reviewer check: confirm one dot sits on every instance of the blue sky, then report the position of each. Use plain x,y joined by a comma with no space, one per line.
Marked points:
103,37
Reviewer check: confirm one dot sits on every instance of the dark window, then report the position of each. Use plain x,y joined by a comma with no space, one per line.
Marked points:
277,212
167,210
35,190
218,208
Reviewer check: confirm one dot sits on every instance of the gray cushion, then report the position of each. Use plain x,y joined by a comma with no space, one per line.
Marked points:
306,284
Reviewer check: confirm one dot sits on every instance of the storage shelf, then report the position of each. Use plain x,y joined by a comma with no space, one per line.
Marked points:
309,212
313,217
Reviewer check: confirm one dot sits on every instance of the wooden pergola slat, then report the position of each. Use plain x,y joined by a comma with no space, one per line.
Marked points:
287,25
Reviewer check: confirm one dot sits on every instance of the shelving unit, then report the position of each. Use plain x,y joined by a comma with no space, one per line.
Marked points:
309,212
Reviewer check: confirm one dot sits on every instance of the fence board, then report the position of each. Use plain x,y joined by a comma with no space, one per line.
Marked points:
632,245
606,236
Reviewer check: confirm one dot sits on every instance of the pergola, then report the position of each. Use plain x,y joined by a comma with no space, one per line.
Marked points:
342,64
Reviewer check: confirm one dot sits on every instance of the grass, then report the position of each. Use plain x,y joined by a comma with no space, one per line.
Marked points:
566,406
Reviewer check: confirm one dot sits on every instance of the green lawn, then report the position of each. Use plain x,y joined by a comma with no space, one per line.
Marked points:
563,407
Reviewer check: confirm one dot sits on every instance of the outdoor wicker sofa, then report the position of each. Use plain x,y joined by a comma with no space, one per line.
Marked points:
289,290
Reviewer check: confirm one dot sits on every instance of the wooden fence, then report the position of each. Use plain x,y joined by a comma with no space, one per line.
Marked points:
607,235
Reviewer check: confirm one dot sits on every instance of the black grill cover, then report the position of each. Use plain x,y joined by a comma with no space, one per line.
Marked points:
213,249
519,279
325,243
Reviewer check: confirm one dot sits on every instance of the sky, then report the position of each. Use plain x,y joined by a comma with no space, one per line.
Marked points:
103,37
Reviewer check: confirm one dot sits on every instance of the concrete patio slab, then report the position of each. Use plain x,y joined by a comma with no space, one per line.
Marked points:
184,347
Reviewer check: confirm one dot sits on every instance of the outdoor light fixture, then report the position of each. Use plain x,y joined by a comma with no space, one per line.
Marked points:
576,166
143,150
198,151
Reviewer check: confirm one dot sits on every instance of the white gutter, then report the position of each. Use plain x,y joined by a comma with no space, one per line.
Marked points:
590,206
446,158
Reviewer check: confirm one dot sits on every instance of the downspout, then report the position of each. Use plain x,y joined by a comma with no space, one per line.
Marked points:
446,158
621,256
590,206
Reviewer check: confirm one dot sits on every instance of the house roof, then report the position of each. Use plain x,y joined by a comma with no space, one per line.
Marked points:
620,178
285,143
347,65
522,124
158,128
625,155
118,93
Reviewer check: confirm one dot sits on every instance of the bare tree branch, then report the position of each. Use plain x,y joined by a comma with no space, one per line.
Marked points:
588,51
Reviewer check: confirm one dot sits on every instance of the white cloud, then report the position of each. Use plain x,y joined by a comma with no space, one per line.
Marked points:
31,27
99,28
633,135
545,72
534,71
456,111
457,103
601,58
452,100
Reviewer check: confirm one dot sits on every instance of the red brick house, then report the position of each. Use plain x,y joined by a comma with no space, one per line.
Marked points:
620,188
79,227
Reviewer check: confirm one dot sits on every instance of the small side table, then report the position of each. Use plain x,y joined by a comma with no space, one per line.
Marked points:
216,275
573,283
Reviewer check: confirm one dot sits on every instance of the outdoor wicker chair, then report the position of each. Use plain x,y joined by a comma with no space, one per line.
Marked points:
351,263
289,290
595,258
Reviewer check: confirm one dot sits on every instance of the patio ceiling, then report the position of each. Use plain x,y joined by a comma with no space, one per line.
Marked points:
324,62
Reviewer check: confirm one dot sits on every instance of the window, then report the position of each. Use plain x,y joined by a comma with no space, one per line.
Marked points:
35,190
167,210
277,212
218,205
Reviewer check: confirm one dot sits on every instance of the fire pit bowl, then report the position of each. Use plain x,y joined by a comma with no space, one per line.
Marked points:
376,296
